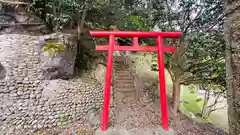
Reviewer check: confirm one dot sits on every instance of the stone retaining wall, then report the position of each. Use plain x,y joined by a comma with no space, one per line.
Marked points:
27,101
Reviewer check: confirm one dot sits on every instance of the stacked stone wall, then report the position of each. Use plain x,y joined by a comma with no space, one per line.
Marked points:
30,102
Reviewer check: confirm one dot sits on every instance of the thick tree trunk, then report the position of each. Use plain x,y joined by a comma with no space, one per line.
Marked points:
232,37
173,93
176,95
177,75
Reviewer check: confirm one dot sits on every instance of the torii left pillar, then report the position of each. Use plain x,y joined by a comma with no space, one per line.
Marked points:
160,49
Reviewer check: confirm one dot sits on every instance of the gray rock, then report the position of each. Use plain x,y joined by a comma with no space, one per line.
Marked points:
34,122
62,64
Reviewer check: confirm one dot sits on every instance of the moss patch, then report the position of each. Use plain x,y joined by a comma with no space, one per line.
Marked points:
53,47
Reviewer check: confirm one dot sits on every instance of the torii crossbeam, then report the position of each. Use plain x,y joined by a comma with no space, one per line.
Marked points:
159,48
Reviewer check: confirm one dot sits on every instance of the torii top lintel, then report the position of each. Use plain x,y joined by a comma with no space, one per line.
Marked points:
135,34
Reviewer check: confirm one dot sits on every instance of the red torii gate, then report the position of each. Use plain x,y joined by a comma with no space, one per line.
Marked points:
135,35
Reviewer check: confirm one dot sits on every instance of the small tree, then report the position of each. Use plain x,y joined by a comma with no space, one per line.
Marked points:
212,91
201,45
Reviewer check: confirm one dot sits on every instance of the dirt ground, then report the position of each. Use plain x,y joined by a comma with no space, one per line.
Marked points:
137,118
143,118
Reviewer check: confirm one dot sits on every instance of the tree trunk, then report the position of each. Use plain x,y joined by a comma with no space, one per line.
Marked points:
176,95
205,104
173,93
177,75
232,37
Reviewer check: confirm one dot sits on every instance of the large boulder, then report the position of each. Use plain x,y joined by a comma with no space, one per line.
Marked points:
61,64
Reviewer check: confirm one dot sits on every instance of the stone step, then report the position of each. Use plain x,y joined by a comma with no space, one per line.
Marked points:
124,78
122,73
122,63
124,82
123,85
125,90
118,60
121,66
121,69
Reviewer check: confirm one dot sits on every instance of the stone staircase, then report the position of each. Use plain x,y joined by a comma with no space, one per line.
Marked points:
124,84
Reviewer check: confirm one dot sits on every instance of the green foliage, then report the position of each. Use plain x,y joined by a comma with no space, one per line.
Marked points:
203,39
154,66
188,101
20,89
60,13
53,48
201,59
56,12
138,22
38,132
63,117
135,22
205,60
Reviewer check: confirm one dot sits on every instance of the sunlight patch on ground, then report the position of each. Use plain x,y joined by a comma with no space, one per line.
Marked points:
188,100
189,104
